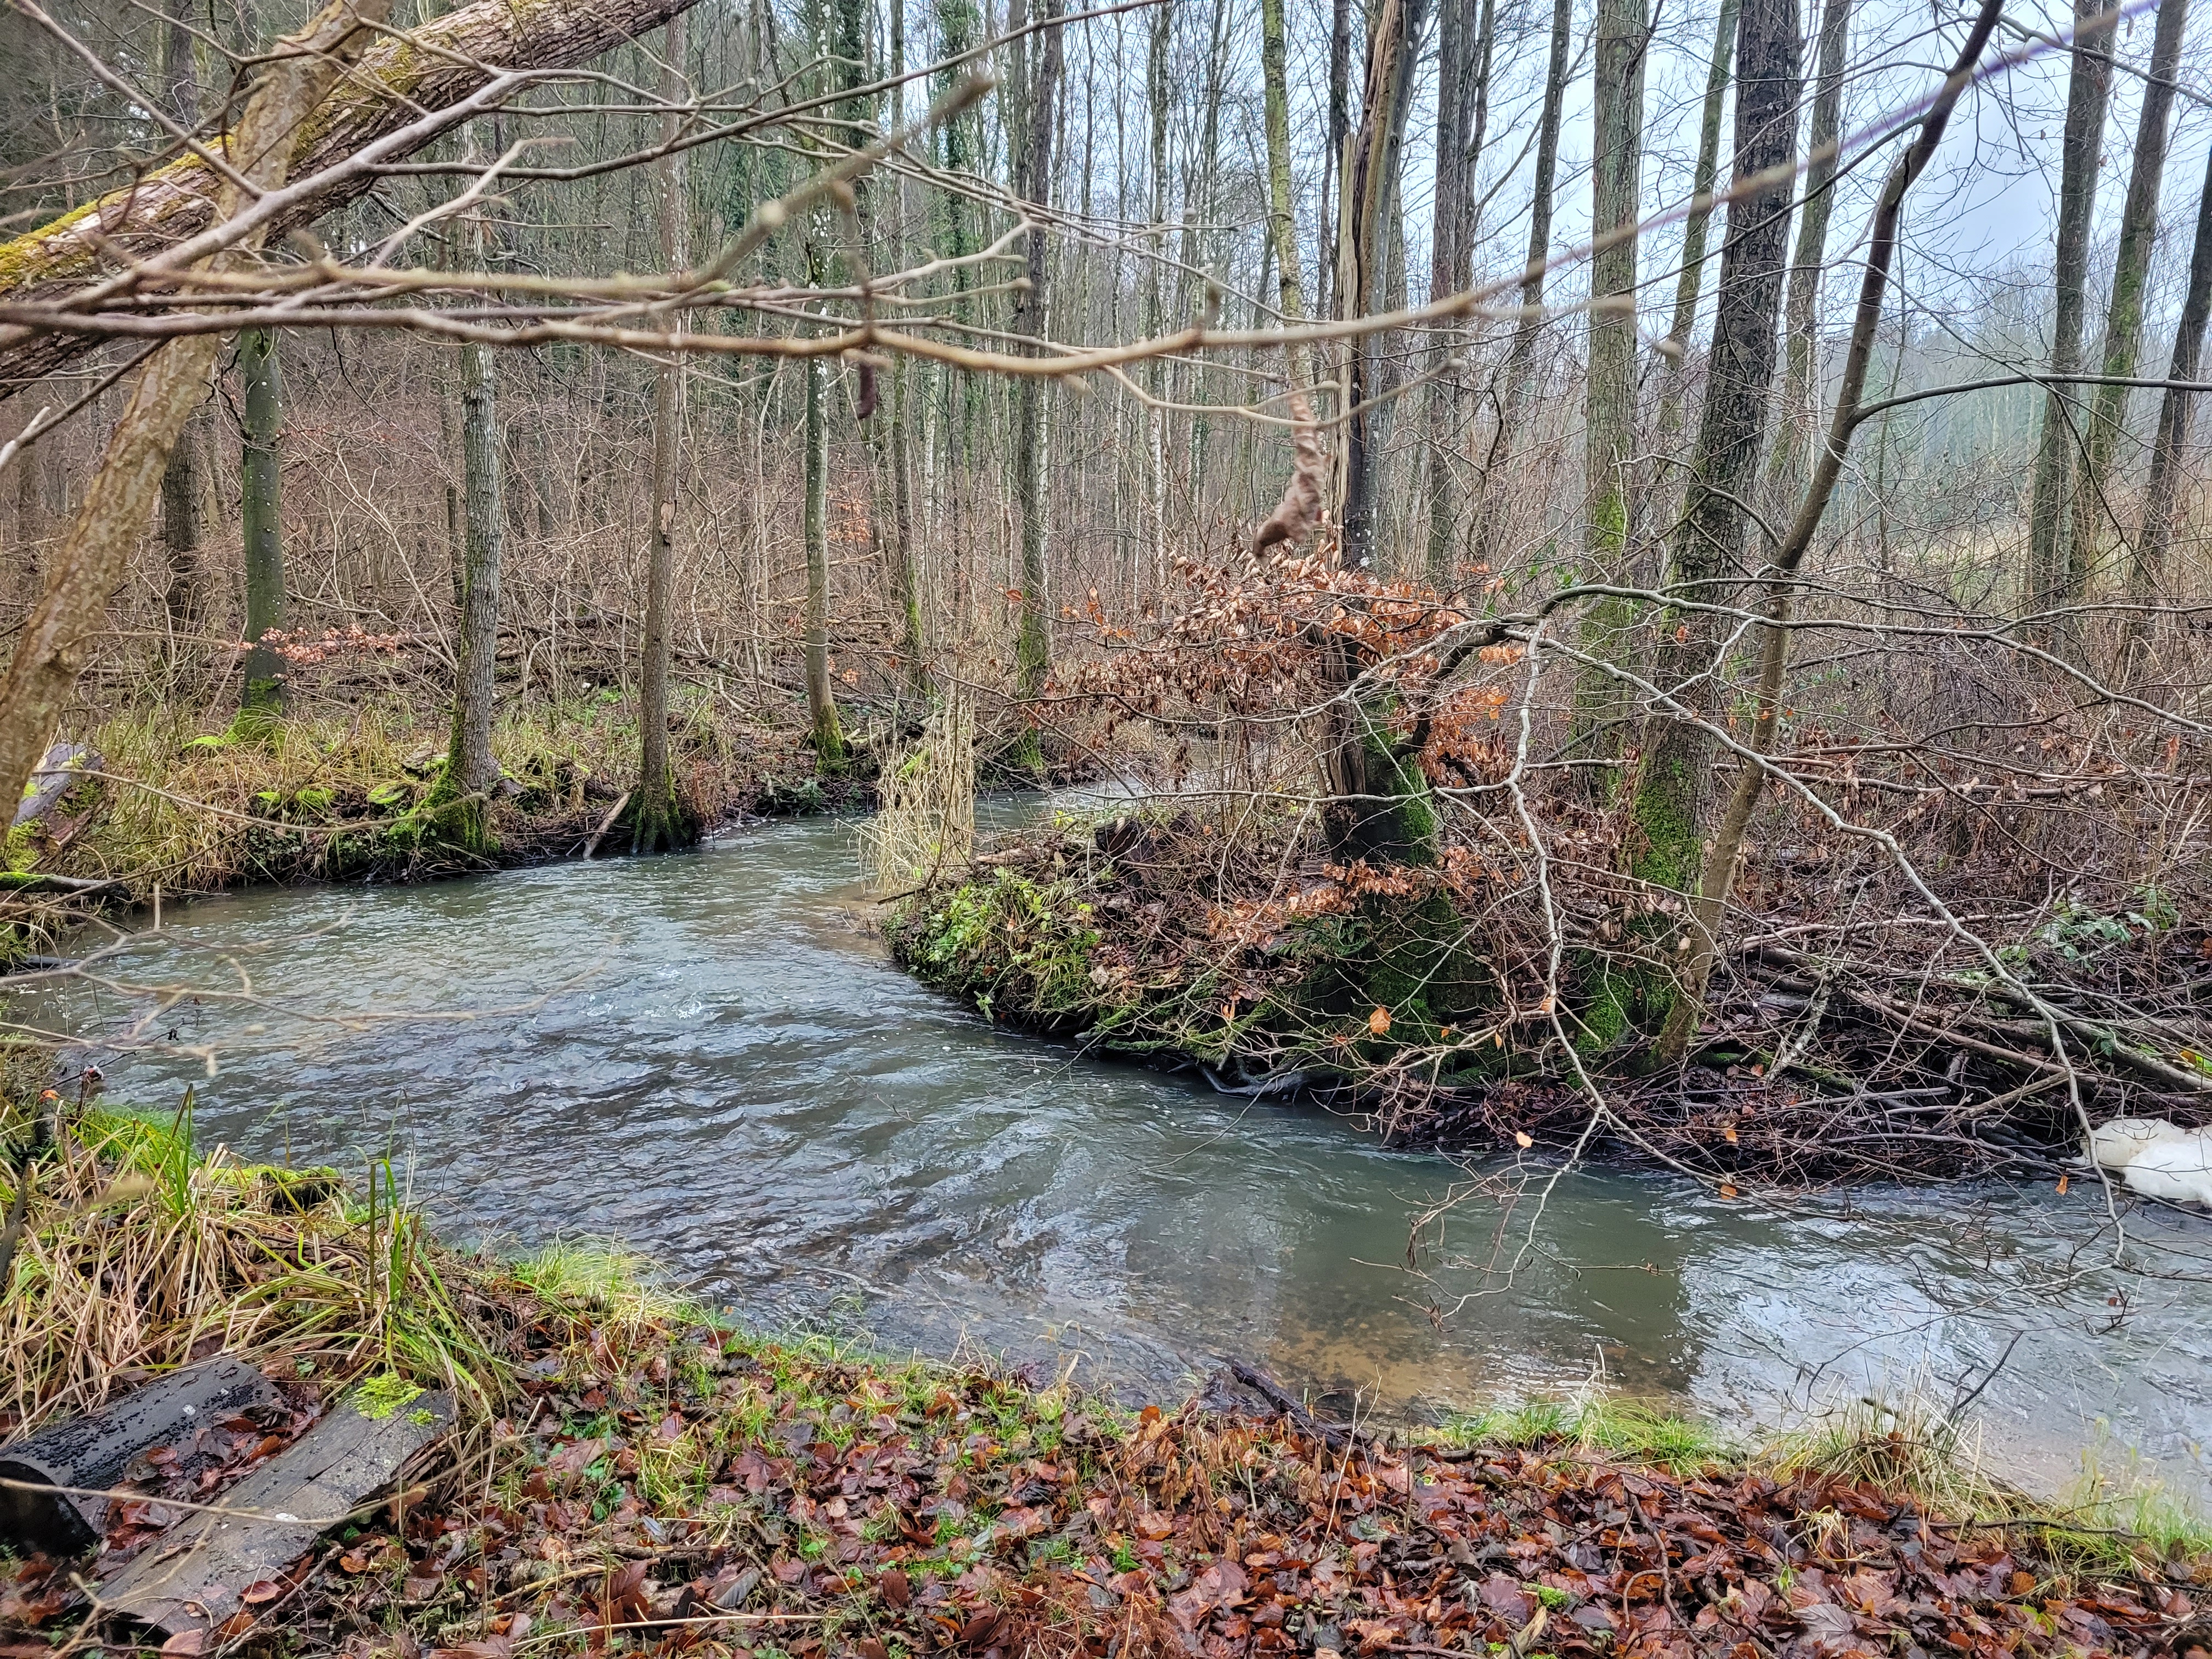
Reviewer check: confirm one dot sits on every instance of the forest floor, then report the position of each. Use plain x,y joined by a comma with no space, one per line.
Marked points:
630,1475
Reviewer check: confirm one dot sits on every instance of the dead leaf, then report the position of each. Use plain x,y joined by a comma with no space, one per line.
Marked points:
265,1590
1379,1022
186,1644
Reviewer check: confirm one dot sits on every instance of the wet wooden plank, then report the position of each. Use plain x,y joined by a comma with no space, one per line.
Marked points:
195,1576
92,1452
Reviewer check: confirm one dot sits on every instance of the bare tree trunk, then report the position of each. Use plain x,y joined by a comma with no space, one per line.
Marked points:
1601,710
1460,52
1799,326
2123,315
1156,465
2176,410
261,520
829,735
185,597
1372,161
1521,356
905,586
2087,88
1675,779
459,803
1676,346
1718,874
1339,133
1032,647
658,819
1282,220
1617,91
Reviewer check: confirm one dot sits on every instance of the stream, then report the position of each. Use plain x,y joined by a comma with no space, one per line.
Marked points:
710,1057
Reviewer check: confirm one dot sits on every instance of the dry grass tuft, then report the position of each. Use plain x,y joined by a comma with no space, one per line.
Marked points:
140,1251
924,821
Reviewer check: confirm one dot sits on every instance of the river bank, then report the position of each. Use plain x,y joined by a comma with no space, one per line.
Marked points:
165,806
630,1474
711,1058
1434,1002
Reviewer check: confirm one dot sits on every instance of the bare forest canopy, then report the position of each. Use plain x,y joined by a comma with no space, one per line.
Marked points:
1699,508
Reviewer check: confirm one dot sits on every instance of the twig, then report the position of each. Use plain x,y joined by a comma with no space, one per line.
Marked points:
606,824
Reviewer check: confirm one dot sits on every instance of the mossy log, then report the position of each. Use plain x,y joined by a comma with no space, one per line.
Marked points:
432,68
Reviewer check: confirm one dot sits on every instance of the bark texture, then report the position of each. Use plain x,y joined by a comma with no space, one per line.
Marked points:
2177,409
1617,94
2093,513
1374,154
2089,87
1800,326
1032,645
1519,371
1718,873
1691,282
1673,780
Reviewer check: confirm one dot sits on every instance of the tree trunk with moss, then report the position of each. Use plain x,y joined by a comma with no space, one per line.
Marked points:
1673,782
657,817
185,596
396,80
261,521
828,736
1033,183
905,583
458,807
54,640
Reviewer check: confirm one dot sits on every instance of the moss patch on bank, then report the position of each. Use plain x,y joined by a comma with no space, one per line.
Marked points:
634,1476
1147,933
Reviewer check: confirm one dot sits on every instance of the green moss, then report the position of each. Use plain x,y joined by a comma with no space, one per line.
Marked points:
1009,936
1665,849
383,1394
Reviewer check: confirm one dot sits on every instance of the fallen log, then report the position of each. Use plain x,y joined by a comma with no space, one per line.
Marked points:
200,1575
66,765
405,88
89,1454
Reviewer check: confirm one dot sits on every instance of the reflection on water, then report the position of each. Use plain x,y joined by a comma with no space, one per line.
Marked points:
708,1057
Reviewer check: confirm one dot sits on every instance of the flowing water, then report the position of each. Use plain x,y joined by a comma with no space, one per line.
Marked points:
710,1057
